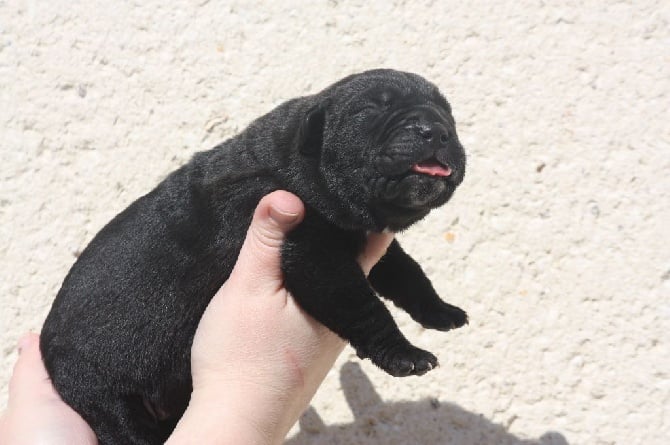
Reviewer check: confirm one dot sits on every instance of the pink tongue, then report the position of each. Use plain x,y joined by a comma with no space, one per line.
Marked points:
431,168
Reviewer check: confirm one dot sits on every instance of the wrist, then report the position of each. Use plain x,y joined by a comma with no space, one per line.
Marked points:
237,416
216,425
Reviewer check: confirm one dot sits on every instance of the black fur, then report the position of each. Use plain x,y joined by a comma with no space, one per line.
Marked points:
117,340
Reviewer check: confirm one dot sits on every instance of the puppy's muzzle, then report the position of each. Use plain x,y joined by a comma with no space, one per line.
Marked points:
442,151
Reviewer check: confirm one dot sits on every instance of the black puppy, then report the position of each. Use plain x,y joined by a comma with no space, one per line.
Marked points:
375,151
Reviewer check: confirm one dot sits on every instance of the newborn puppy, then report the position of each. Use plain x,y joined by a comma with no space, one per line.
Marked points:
375,151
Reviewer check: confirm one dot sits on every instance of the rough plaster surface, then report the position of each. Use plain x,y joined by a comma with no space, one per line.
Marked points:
556,243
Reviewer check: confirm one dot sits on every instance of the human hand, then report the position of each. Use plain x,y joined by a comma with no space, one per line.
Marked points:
35,412
257,359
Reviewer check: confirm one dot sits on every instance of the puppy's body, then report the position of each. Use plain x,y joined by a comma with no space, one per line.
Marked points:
374,151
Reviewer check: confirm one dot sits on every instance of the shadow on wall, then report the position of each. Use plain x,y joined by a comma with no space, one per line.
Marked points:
422,422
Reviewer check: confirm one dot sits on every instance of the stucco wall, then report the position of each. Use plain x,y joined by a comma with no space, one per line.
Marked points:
556,243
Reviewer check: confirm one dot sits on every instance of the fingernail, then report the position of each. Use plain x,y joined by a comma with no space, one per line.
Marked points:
283,217
24,342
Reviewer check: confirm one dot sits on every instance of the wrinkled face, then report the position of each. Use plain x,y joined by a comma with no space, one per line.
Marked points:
405,137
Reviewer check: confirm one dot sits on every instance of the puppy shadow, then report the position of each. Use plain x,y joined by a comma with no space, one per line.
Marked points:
427,421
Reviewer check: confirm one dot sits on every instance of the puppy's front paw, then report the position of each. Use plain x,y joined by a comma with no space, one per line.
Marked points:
443,317
405,360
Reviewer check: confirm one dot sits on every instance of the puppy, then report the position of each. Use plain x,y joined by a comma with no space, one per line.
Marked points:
375,151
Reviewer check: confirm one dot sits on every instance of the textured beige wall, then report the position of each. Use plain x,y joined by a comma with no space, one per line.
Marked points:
556,243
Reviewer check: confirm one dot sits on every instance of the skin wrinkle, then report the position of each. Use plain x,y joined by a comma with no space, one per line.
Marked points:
297,372
396,128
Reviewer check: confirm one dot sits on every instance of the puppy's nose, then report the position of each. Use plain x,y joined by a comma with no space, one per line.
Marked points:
434,133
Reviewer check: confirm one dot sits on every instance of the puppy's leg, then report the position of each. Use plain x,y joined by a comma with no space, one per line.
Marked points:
400,279
321,273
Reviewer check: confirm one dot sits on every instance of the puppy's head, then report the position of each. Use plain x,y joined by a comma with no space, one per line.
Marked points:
386,144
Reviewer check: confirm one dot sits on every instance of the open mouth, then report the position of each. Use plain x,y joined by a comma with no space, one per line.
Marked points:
432,167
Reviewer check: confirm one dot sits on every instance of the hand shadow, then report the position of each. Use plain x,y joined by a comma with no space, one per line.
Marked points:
422,422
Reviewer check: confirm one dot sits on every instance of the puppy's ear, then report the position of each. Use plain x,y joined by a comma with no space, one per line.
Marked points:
310,135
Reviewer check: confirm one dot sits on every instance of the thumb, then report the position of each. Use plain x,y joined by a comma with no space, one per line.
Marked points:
259,260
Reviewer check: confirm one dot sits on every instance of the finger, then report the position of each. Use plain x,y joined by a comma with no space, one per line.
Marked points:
28,339
258,264
29,378
375,248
